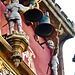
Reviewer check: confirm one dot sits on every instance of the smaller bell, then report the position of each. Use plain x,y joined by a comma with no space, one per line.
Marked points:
32,2
34,14
44,29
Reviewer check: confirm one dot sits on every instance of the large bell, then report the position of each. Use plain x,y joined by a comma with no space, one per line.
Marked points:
34,14
44,29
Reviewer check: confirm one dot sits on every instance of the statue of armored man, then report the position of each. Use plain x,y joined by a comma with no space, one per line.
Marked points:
15,8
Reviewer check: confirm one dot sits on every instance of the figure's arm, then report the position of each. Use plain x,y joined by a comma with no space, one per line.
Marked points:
6,14
23,9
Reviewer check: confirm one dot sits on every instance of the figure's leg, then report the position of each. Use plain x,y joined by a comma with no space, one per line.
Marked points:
55,72
11,24
19,24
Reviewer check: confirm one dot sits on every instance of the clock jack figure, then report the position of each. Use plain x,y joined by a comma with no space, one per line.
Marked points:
50,45
54,60
15,8
55,63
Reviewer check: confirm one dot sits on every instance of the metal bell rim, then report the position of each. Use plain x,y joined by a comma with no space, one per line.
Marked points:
30,14
44,35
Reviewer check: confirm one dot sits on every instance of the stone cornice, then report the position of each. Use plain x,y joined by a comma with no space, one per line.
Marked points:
61,18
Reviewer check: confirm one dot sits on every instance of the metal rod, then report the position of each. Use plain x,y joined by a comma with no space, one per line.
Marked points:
40,45
43,43
5,25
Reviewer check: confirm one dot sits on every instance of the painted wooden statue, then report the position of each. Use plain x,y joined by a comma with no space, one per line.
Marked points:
15,8
55,63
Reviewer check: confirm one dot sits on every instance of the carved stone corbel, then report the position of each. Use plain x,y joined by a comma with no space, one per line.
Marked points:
19,43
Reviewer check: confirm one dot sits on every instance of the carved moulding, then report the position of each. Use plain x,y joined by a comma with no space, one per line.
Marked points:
19,43
5,69
6,52
29,55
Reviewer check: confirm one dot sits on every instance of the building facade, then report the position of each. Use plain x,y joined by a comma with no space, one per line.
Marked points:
34,53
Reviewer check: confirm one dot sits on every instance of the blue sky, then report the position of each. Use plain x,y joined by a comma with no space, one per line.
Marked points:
68,6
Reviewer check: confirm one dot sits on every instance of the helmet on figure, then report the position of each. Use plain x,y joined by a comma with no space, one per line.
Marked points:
14,1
